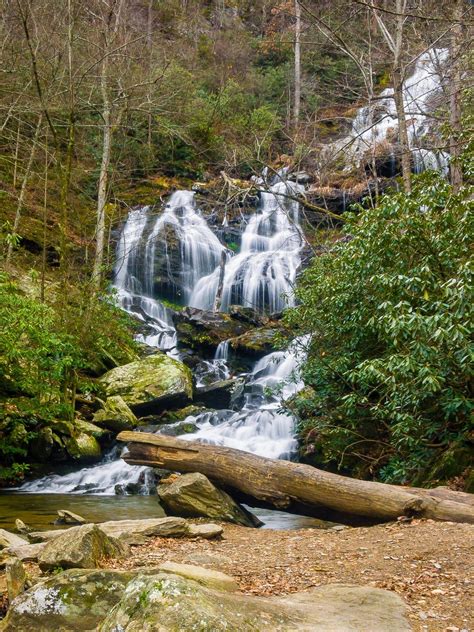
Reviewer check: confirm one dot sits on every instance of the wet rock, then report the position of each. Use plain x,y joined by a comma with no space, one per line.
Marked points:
203,576
15,578
194,496
204,330
84,548
68,517
97,432
72,601
115,415
172,602
255,343
217,395
8,539
83,448
247,315
152,384
178,429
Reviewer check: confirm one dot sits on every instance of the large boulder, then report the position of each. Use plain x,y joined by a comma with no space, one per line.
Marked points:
83,447
73,601
194,496
115,415
85,549
164,601
204,330
217,395
8,539
152,384
255,343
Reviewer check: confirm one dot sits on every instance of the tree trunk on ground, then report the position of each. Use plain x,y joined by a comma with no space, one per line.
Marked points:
296,487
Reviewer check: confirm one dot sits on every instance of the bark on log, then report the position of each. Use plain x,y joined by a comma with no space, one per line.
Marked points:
295,487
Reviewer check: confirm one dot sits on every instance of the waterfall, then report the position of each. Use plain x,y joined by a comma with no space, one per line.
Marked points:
376,123
262,275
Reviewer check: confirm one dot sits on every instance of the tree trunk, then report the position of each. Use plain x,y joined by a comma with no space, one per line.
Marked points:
296,487
455,87
297,95
103,178
402,129
220,285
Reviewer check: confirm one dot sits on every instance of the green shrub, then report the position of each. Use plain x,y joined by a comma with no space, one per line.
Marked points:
390,312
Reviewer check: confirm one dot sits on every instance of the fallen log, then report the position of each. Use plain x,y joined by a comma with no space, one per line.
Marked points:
295,487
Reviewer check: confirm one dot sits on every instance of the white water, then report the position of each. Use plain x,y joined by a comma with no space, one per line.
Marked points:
376,124
262,275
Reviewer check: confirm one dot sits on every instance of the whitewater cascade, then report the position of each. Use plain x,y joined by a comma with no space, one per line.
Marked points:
375,124
261,275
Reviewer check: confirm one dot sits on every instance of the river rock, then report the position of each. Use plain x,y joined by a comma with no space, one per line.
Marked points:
15,578
68,517
115,415
255,343
194,496
85,548
8,539
204,330
26,552
72,601
83,448
135,531
172,602
21,527
203,576
218,394
154,383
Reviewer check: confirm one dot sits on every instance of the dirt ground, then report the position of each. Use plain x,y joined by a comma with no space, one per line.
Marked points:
429,564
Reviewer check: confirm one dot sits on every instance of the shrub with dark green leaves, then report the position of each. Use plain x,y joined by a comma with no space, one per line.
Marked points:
390,311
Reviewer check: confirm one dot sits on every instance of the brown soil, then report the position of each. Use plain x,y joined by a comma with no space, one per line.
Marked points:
429,564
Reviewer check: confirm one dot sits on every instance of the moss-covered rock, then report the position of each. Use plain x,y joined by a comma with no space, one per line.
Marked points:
88,428
152,384
86,549
83,447
115,415
256,342
73,601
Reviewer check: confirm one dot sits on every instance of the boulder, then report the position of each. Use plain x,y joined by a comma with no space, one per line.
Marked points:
15,578
86,549
135,531
115,415
68,517
247,315
163,601
72,601
101,434
203,576
194,496
21,527
204,330
41,447
26,552
8,539
255,343
152,384
218,394
83,448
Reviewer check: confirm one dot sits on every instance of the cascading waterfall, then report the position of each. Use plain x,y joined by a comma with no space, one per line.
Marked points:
374,124
262,275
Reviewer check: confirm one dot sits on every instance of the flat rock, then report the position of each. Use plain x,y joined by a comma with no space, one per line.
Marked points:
26,552
203,576
86,547
8,539
68,517
129,530
207,531
173,602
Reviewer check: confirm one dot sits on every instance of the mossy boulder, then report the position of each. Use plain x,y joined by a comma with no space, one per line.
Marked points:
86,549
73,601
457,460
83,448
255,343
115,415
150,385
194,496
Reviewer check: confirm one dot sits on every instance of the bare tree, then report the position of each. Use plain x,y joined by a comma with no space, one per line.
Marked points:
297,86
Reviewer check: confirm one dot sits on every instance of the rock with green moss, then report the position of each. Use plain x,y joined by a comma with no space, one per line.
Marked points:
203,330
101,434
72,601
83,448
256,342
115,415
41,446
86,549
194,496
15,578
175,603
154,383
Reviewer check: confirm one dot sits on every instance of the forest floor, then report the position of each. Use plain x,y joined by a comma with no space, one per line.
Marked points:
429,564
